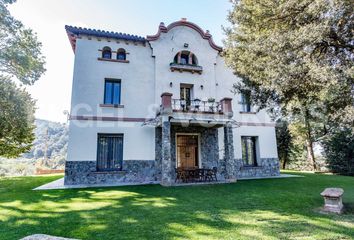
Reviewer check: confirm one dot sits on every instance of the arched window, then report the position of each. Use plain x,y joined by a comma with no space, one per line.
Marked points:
121,54
185,58
107,53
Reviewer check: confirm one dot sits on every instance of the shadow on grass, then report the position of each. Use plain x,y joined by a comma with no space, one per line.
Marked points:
261,209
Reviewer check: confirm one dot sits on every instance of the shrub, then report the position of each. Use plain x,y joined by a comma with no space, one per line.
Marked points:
339,150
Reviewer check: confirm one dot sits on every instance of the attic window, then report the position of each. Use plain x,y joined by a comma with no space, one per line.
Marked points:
185,58
107,53
121,54
185,61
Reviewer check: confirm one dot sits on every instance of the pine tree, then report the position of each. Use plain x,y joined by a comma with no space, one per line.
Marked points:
296,56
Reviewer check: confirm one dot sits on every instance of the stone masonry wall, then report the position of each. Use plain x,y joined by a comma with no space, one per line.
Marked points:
266,167
85,172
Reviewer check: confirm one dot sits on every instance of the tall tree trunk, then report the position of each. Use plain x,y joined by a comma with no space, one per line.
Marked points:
284,162
310,154
309,142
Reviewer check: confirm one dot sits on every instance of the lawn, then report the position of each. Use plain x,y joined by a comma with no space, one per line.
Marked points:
256,209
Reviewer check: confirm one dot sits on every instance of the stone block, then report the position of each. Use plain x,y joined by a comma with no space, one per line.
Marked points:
333,200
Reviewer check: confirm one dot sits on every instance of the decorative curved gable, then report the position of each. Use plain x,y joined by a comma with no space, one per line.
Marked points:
183,22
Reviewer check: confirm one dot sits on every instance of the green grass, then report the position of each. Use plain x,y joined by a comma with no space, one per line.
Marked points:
257,209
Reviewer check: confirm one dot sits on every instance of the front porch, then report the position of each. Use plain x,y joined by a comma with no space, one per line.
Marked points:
176,148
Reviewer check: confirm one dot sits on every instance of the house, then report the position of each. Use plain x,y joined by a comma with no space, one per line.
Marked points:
143,106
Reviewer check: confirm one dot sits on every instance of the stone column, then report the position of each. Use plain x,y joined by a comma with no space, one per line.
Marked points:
166,163
230,174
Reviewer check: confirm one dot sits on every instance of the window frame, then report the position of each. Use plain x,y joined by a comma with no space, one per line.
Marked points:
188,54
246,104
186,90
112,80
123,52
104,50
185,57
98,151
254,150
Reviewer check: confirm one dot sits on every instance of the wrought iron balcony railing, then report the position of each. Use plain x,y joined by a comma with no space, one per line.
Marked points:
196,105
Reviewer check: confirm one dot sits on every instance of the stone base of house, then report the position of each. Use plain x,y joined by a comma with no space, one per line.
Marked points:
134,171
266,167
143,171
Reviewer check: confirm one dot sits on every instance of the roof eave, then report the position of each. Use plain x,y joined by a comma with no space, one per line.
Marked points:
74,32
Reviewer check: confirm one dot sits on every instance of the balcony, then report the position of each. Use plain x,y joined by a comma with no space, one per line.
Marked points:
196,106
186,68
196,112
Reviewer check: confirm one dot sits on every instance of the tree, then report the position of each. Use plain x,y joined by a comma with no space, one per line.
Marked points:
300,155
284,142
295,56
339,150
16,119
21,59
20,50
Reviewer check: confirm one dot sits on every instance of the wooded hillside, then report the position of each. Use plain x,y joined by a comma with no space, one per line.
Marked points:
48,151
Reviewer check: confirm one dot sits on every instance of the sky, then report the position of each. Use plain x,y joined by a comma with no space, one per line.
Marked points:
140,17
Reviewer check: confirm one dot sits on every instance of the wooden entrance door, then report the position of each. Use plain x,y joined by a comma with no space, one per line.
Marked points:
187,151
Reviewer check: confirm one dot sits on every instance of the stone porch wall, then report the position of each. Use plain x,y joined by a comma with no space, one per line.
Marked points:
266,167
85,172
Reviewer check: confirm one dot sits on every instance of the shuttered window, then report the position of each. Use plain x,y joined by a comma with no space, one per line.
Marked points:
109,152
112,91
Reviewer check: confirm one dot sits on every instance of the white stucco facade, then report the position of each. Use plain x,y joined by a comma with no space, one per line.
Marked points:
144,76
